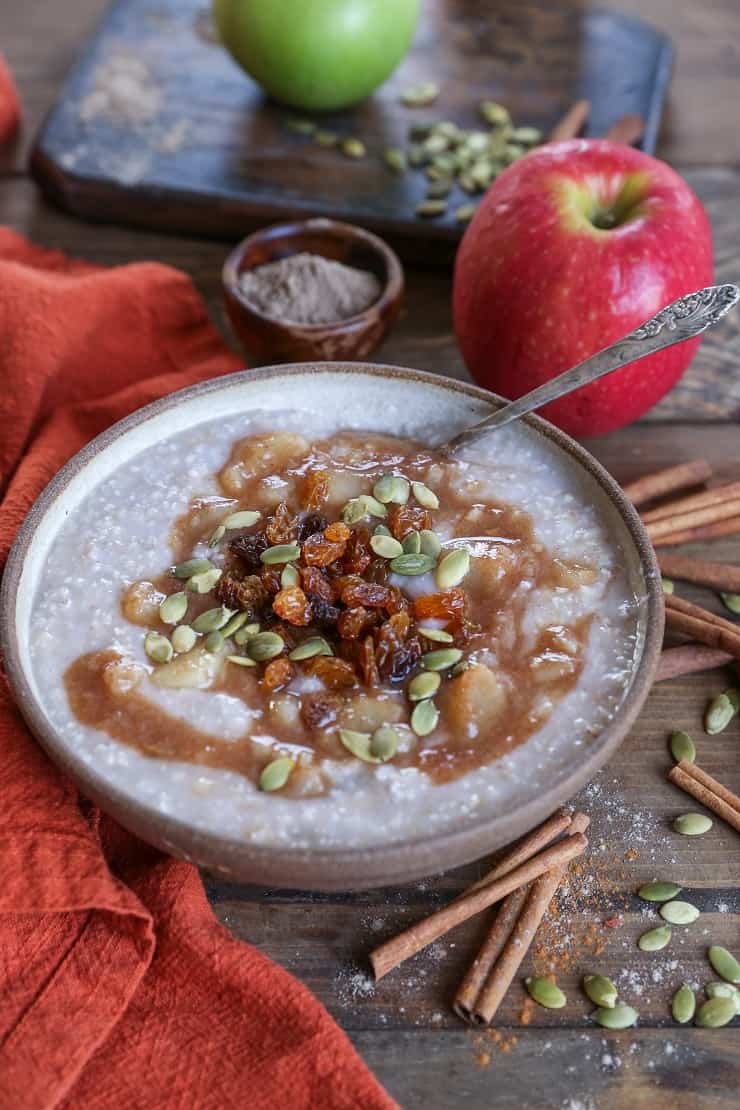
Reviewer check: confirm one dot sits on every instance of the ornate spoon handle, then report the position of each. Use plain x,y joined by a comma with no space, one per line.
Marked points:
685,318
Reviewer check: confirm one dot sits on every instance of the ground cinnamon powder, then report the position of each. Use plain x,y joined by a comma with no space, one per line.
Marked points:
309,289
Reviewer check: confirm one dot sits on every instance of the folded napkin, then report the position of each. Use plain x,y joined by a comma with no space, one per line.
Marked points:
118,988
10,108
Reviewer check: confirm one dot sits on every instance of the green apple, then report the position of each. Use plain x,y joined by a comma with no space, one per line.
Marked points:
317,54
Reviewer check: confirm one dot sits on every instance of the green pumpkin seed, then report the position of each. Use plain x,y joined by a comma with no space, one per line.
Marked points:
217,536
715,1013
424,685
410,565
419,96
395,160
384,743
460,668
416,155
326,138
353,511
452,568
275,775
386,546
401,490
289,577
494,114
734,697
441,659
232,626
655,939
724,963
658,891
183,639
668,586
245,633
383,488
435,144
718,714
373,507
174,608
301,126
431,208
436,190
436,635
353,148
527,135
678,913
358,743
213,619
724,990
412,544
158,647
381,530
317,645
683,1004
191,567
682,747
265,645
468,184
280,553
214,641
465,212
692,824
600,990
241,660
731,602
545,993
620,1016
430,543
426,497
204,581
424,718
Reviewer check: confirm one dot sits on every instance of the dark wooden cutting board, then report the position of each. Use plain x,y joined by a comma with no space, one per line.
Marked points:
209,155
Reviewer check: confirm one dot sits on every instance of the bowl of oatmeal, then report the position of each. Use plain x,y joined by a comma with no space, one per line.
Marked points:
270,627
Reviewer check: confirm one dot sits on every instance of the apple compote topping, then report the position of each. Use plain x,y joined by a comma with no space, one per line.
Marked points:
366,603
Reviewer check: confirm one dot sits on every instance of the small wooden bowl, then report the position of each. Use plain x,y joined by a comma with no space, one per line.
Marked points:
268,340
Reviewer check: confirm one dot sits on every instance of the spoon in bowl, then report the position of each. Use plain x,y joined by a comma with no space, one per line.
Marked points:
683,319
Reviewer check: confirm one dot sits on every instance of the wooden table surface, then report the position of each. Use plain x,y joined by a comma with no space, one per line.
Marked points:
404,1027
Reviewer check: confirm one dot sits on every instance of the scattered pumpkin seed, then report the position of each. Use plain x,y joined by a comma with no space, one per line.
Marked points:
245,633
174,608
158,647
460,668
353,148
731,602
430,543
325,138
241,660
395,159
383,488
465,212
244,518
410,565
381,530
545,993
718,714
217,536
655,939
431,208
275,775
441,659
386,546
280,553
419,96
353,511
494,114
715,1012
317,645
683,1004
434,145
452,568
384,743
658,891
620,1016
183,639
600,990
233,625
265,645
412,544
289,577
723,990
372,506
301,126
437,635
191,567
527,135
678,913
682,747
424,717
203,582
724,963
358,743
416,155
426,497
438,190
668,586
213,619
424,685
214,641
692,824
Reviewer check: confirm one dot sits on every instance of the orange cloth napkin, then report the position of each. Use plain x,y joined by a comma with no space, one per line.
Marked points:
10,108
118,988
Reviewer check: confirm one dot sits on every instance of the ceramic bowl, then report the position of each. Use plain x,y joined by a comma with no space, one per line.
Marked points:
408,402
266,339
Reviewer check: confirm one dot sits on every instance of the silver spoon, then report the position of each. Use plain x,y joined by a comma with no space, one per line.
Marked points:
683,319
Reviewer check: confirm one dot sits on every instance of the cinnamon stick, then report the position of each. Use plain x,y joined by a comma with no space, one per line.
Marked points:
492,947
689,659
714,496
696,772
673,478
627,130
525,848
684,776
571,123
694,518
718,576
703,532
706,632
389,955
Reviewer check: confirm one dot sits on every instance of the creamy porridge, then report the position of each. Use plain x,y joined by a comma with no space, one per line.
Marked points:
297,638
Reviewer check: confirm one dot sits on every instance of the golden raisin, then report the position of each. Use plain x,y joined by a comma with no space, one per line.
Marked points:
278,672
359,553
247,594
403,519
319,552
336,674
315,489
271,579
293,606
314,581
338,532
368,663
447,605
282,526
369,594
353,622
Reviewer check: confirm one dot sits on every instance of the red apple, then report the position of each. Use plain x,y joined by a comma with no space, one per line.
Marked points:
573,246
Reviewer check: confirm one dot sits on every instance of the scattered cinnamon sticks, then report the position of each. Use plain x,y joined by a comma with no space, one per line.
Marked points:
691,520
708,791
717,576
712,531
671,480
717,495
626,130
689,659
571,123
699,624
